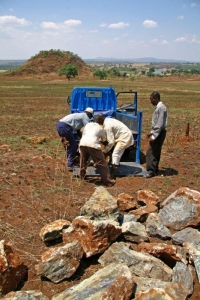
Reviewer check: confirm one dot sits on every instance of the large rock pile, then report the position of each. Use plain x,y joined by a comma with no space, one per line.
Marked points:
147,250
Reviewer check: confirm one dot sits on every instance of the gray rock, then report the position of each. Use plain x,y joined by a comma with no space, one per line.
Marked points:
110,283
134,232
176,291
126,218
155,227
140,264
101,206
181,209
26,295
189,235
59,263
182,274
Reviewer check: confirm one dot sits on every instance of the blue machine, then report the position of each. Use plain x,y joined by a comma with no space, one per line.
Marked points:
105,100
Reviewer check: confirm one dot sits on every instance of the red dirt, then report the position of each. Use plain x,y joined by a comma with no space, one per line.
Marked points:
36,189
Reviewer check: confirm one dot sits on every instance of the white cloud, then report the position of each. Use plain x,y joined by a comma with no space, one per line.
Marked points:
14,21
103,25
49,25
154,41
93,31
164,42
181,39
66,25
150,23
11,9
195,40
193,4
116,39
180,17
72,22
118,25
105,41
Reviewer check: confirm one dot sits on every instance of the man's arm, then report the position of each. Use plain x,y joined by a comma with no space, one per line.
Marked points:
110,139
159,125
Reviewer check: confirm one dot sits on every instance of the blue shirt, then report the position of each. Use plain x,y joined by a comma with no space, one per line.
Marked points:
76,121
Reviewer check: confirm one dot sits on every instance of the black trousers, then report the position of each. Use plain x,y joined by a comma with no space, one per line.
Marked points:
154,152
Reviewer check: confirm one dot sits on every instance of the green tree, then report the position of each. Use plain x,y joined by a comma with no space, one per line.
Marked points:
151,70
69,71
100,73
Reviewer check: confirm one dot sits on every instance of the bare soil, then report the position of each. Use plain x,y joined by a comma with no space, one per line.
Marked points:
36,189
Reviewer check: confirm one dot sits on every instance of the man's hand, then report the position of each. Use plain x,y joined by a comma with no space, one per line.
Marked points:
148,135
151,141
79,133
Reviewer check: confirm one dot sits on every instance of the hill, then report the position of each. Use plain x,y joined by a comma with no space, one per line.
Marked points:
50,62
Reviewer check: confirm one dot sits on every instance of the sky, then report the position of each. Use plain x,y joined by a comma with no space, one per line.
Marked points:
163,29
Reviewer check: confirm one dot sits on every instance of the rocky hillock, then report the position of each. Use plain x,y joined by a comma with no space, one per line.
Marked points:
50,62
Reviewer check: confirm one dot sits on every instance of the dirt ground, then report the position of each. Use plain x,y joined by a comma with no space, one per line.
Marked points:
36,189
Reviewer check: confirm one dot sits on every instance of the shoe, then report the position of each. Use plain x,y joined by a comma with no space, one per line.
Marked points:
70,169
149,175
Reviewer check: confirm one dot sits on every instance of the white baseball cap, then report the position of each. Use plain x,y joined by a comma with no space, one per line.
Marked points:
90,110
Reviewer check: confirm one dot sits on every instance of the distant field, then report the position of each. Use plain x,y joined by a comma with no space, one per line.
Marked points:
47,100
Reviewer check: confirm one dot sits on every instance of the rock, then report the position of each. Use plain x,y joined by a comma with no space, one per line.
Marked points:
126,218
146,197
155,227
53,230
189,234
94,236
140,264
126,202
26,295
182,274
194,256
101,206
12,270
143,212
169,254
181,209
134,232
110,283
59,263
176,291
157,294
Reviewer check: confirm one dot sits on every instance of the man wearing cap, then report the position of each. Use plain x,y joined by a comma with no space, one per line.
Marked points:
65,128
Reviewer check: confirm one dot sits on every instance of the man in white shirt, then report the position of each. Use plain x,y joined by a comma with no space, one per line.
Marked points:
157,135
90,147
118,135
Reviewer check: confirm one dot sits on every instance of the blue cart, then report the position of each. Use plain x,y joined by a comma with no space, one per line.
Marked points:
105,100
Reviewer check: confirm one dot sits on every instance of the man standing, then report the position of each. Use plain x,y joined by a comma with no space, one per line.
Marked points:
65,128
118,135
90,146
157,135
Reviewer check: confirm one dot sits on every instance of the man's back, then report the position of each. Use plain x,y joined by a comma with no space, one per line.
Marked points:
116,127
92,133
76,121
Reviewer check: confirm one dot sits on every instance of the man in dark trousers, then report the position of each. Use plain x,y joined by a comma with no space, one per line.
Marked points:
65,128
157,135
93,133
